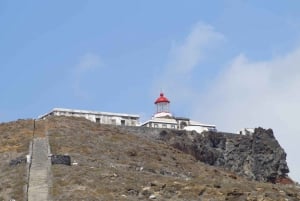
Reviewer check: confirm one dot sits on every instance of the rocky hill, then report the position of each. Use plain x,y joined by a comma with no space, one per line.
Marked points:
256,156
118,163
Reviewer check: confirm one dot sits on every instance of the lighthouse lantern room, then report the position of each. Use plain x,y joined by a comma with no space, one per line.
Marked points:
162,106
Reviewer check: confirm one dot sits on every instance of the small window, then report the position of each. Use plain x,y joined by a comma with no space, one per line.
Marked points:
155,125
173,126
164,125
123,122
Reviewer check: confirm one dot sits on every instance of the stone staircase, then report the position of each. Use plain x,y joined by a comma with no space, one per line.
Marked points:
39,171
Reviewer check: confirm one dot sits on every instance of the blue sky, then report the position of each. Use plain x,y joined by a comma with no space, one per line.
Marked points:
231,63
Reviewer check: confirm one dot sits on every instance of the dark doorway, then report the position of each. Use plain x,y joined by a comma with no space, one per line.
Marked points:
98,120
183,124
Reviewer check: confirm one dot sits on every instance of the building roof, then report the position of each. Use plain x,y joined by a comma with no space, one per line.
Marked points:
161,120
195,123
163,115
182,118
162,99
89,112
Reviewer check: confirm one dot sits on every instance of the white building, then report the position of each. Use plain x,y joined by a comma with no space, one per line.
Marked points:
164,119
246,131
98,117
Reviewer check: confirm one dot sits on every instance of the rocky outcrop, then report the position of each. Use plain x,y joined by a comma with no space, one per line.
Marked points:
60,159
257,156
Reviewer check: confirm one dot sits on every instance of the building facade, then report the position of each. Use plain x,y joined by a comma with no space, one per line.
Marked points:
98,117
162,118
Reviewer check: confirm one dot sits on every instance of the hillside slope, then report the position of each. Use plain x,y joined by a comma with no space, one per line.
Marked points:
112,164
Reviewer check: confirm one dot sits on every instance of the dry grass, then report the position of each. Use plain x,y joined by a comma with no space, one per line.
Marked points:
116,166
14,142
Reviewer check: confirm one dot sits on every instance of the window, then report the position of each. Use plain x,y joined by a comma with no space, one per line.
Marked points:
155,125
123,122
173,126
98,120
113,122
164,125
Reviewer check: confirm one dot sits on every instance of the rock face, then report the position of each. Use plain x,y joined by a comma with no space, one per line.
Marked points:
257,156
17,161
60,159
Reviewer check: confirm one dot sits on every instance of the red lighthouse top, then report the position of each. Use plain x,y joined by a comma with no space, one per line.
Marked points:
162,99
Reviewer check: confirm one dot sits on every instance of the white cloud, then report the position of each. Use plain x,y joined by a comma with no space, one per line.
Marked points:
89,63
263,93
244,94
184,58
258,88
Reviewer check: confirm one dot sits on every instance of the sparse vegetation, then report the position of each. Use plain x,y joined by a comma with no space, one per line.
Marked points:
14,142
116,166
112,165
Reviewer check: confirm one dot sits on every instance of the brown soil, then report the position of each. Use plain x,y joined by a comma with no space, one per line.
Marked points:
14,142
113,165
116,166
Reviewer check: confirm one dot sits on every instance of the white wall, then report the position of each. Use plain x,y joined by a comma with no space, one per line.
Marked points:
104,119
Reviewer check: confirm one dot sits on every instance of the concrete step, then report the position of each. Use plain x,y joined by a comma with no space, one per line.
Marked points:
39,171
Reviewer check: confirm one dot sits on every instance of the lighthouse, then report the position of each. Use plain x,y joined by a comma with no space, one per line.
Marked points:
162,106
163,118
